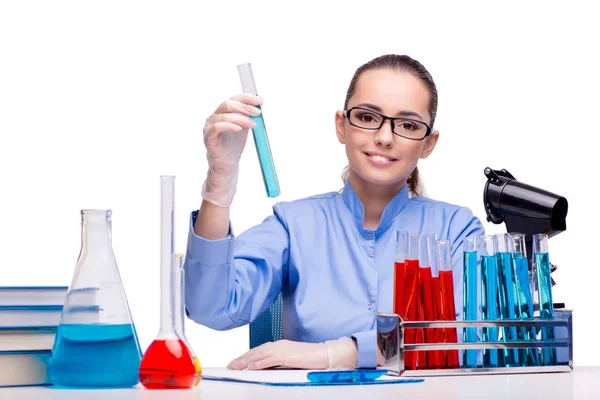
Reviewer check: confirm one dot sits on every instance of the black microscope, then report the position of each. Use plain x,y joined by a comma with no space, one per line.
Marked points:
524,209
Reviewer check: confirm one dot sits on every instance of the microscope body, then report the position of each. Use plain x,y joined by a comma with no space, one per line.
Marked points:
523,208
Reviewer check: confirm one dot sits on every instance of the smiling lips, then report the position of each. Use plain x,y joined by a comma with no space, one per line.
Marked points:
380,159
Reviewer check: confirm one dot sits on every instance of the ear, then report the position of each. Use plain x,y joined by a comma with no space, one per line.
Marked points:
340,122
430,143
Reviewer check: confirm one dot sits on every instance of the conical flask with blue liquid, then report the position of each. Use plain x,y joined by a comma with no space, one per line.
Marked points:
96,344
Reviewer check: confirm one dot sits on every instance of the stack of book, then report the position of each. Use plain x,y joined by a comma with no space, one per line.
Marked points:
29,319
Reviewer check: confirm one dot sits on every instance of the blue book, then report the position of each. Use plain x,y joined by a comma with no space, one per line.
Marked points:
33,295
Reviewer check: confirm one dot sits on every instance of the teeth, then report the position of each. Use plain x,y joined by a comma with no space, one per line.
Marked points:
379,158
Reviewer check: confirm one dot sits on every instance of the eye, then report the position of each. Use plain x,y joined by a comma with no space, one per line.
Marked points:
408,126
367,117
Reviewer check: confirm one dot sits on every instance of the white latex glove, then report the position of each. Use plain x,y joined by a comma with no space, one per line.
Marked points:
225,135
334,354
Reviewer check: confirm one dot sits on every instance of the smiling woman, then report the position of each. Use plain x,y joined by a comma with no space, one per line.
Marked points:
414,124
329,255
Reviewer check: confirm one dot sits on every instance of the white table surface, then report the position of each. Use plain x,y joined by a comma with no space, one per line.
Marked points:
582,383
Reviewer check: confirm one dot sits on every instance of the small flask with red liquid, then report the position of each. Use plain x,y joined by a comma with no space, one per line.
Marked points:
168,362
448,309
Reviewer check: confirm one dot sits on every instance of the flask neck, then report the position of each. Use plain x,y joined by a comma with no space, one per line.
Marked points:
167,322
96,231
169,292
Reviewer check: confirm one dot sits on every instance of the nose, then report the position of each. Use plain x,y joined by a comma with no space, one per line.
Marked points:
384,137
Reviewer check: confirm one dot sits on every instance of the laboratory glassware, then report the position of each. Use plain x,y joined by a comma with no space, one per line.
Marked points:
412,304
489,297
530,356
447,306
179,311
541,259
428,299
167,362
96,344
401,238
507,294
261,140
470,297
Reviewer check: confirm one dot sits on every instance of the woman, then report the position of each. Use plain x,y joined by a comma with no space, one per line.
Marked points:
330,255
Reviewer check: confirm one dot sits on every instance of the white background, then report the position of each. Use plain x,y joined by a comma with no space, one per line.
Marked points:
98,99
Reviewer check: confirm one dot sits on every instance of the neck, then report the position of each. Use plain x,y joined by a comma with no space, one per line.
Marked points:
96,235
374,197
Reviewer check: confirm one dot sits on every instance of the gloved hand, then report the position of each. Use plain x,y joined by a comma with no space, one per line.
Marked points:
333,354
225,135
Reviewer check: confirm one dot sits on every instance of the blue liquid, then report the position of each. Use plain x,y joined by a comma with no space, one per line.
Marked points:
546,307
95,356
265,158
529,356
509,305
470,305
489,306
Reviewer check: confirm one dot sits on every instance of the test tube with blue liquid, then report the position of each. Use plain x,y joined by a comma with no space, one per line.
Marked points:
470,298
530,356
489,296
541,259
259,132
507,294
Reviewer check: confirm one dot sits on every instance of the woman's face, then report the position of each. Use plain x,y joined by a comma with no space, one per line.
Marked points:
380,156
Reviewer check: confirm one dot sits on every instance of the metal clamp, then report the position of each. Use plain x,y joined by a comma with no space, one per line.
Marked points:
391,332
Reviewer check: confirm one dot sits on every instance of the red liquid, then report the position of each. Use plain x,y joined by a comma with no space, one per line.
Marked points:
448,314
411,309
420,335
439,332
399,288
168,364
428,314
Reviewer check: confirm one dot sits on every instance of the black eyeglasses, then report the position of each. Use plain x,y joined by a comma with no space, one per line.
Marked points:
364,118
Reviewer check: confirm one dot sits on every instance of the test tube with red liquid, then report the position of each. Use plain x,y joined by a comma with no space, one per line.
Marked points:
437,298
168,363
448,309
411,300
428,299
401,239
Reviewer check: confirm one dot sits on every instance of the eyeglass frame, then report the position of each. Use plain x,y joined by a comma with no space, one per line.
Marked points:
384,118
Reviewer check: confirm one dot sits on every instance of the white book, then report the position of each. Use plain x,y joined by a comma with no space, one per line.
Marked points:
46,316
24,369
27,339
32,295
18,316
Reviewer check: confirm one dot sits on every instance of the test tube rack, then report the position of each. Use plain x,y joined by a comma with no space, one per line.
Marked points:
391,332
